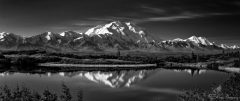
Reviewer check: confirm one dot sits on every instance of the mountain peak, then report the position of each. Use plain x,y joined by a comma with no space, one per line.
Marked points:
49,33
224,46
117,22
200,40
234,47
4,33
193,38
178,39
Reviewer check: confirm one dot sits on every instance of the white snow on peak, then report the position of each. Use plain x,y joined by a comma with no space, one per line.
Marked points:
63,33
234,47
199,40
128,23
178,39
2,35
224,46
98,30
49,33
80,33
77,39
48,36
69,33
121,32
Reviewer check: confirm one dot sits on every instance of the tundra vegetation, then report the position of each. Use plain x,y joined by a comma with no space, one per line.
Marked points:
227,91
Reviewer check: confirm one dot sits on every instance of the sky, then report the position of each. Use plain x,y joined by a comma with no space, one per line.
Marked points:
217,20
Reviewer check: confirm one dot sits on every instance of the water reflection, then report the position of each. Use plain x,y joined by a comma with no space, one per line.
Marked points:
115,79
112,79
141,85
191,71
6,73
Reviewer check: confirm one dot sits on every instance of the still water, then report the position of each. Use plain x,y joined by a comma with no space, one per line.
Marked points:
142,85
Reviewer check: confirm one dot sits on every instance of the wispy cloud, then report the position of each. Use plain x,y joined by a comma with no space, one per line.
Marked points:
88,23
185,15
152,9
79,25
148,13
144,14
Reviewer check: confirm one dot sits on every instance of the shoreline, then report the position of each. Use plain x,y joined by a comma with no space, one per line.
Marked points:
96,65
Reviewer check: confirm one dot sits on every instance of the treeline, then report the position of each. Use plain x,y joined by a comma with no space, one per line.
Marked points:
28,60
25,58
186,59
25,94
24,52
193,58
45,56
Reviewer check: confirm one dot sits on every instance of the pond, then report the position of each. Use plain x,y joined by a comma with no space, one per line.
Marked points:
142,85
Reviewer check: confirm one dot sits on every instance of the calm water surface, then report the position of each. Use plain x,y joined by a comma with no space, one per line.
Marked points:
142,85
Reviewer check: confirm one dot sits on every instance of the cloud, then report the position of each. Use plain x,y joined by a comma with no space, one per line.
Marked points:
184,15
112,18
79,25
137,17
89,23
152,9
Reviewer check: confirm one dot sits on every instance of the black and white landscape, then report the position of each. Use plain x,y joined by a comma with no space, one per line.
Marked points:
119,50
109,37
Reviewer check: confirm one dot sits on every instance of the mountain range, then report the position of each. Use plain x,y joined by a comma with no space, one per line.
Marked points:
109,37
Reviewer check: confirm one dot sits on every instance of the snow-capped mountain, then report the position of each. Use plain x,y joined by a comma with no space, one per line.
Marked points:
224,46
9,40
234,47
194,43
112,36
120,35
199,41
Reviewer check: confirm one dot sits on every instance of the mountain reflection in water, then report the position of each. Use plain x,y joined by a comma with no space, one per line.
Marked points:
115,79
141,85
